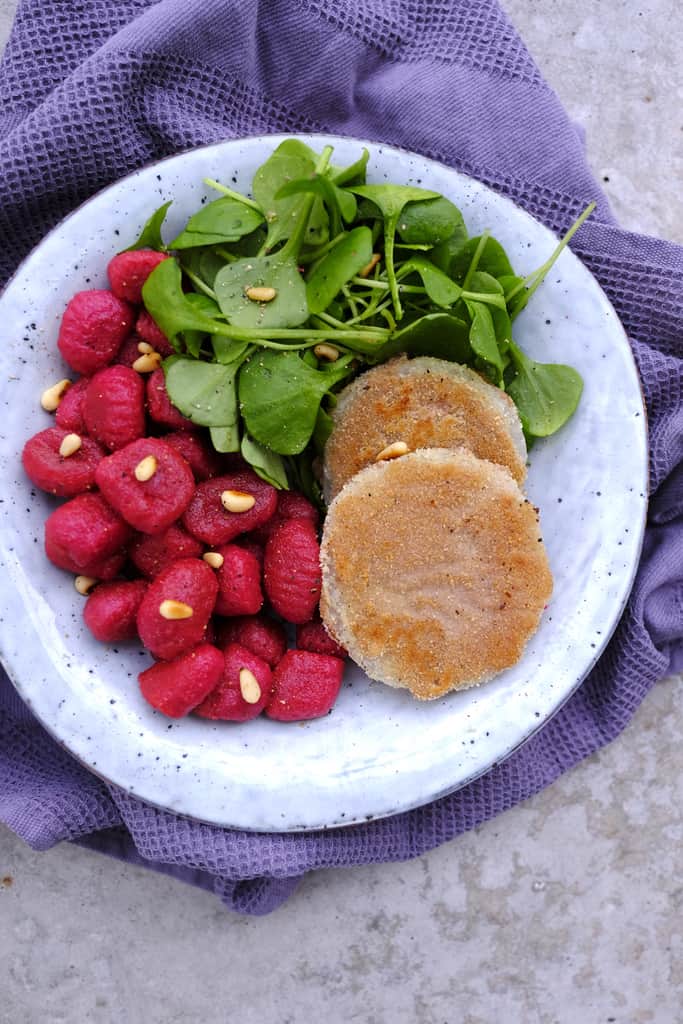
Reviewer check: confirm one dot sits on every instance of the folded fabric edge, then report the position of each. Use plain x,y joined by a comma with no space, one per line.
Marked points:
254,896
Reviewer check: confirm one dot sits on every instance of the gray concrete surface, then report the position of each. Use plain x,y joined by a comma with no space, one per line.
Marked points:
565,910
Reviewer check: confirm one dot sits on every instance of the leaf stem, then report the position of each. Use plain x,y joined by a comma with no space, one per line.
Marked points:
263,343
488,298
284,333
327,318
370,282
232,194
514,291
322,250
346,291
386,313
476,257
536,279
389,238
196,280
225,254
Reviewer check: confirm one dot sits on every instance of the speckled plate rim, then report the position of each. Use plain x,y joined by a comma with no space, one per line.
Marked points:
377,800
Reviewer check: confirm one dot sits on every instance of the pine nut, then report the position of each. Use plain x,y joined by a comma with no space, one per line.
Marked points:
260,294
369,267
51,397
213,559
70,445
146,469
175,610
147,363
328,352
237,501
392,451
249,686
145,348
84,584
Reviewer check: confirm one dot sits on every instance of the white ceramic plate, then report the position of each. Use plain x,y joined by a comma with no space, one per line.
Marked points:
380,751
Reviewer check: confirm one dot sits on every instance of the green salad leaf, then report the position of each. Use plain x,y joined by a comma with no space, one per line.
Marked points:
234,282
204,392
150,236
224,220
280,396
546,394
269,466
337,267
288,163
429,222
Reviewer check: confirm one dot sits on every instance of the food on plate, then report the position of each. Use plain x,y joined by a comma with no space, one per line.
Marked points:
148,483
421,403
114,407
324,317
86,536
111,610
260,633
203,460
176,687
69,413
434,570
273,303
152,553
159,406
175,611
312,636
238,572
61,462
225,506
305,685
244,689
94,325
151,333
291,570
128,271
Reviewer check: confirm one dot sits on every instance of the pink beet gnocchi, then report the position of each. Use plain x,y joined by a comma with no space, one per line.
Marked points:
210,541
128,271
69,415
93,328
176,687
305,685
239,582
148,483
224,507
111,610
150,332
114,407
176,608
152,553
159,404
203,461
61,462
85,532
261,634
244,689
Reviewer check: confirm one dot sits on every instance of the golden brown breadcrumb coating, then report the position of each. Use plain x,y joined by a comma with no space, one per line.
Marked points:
434,571
427,403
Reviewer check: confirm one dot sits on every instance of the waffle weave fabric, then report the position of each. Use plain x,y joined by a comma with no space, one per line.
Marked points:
91,90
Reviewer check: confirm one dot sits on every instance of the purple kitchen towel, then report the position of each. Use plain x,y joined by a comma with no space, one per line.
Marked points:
91,90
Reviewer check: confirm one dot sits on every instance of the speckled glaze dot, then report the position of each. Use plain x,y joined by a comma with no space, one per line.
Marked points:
589,482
